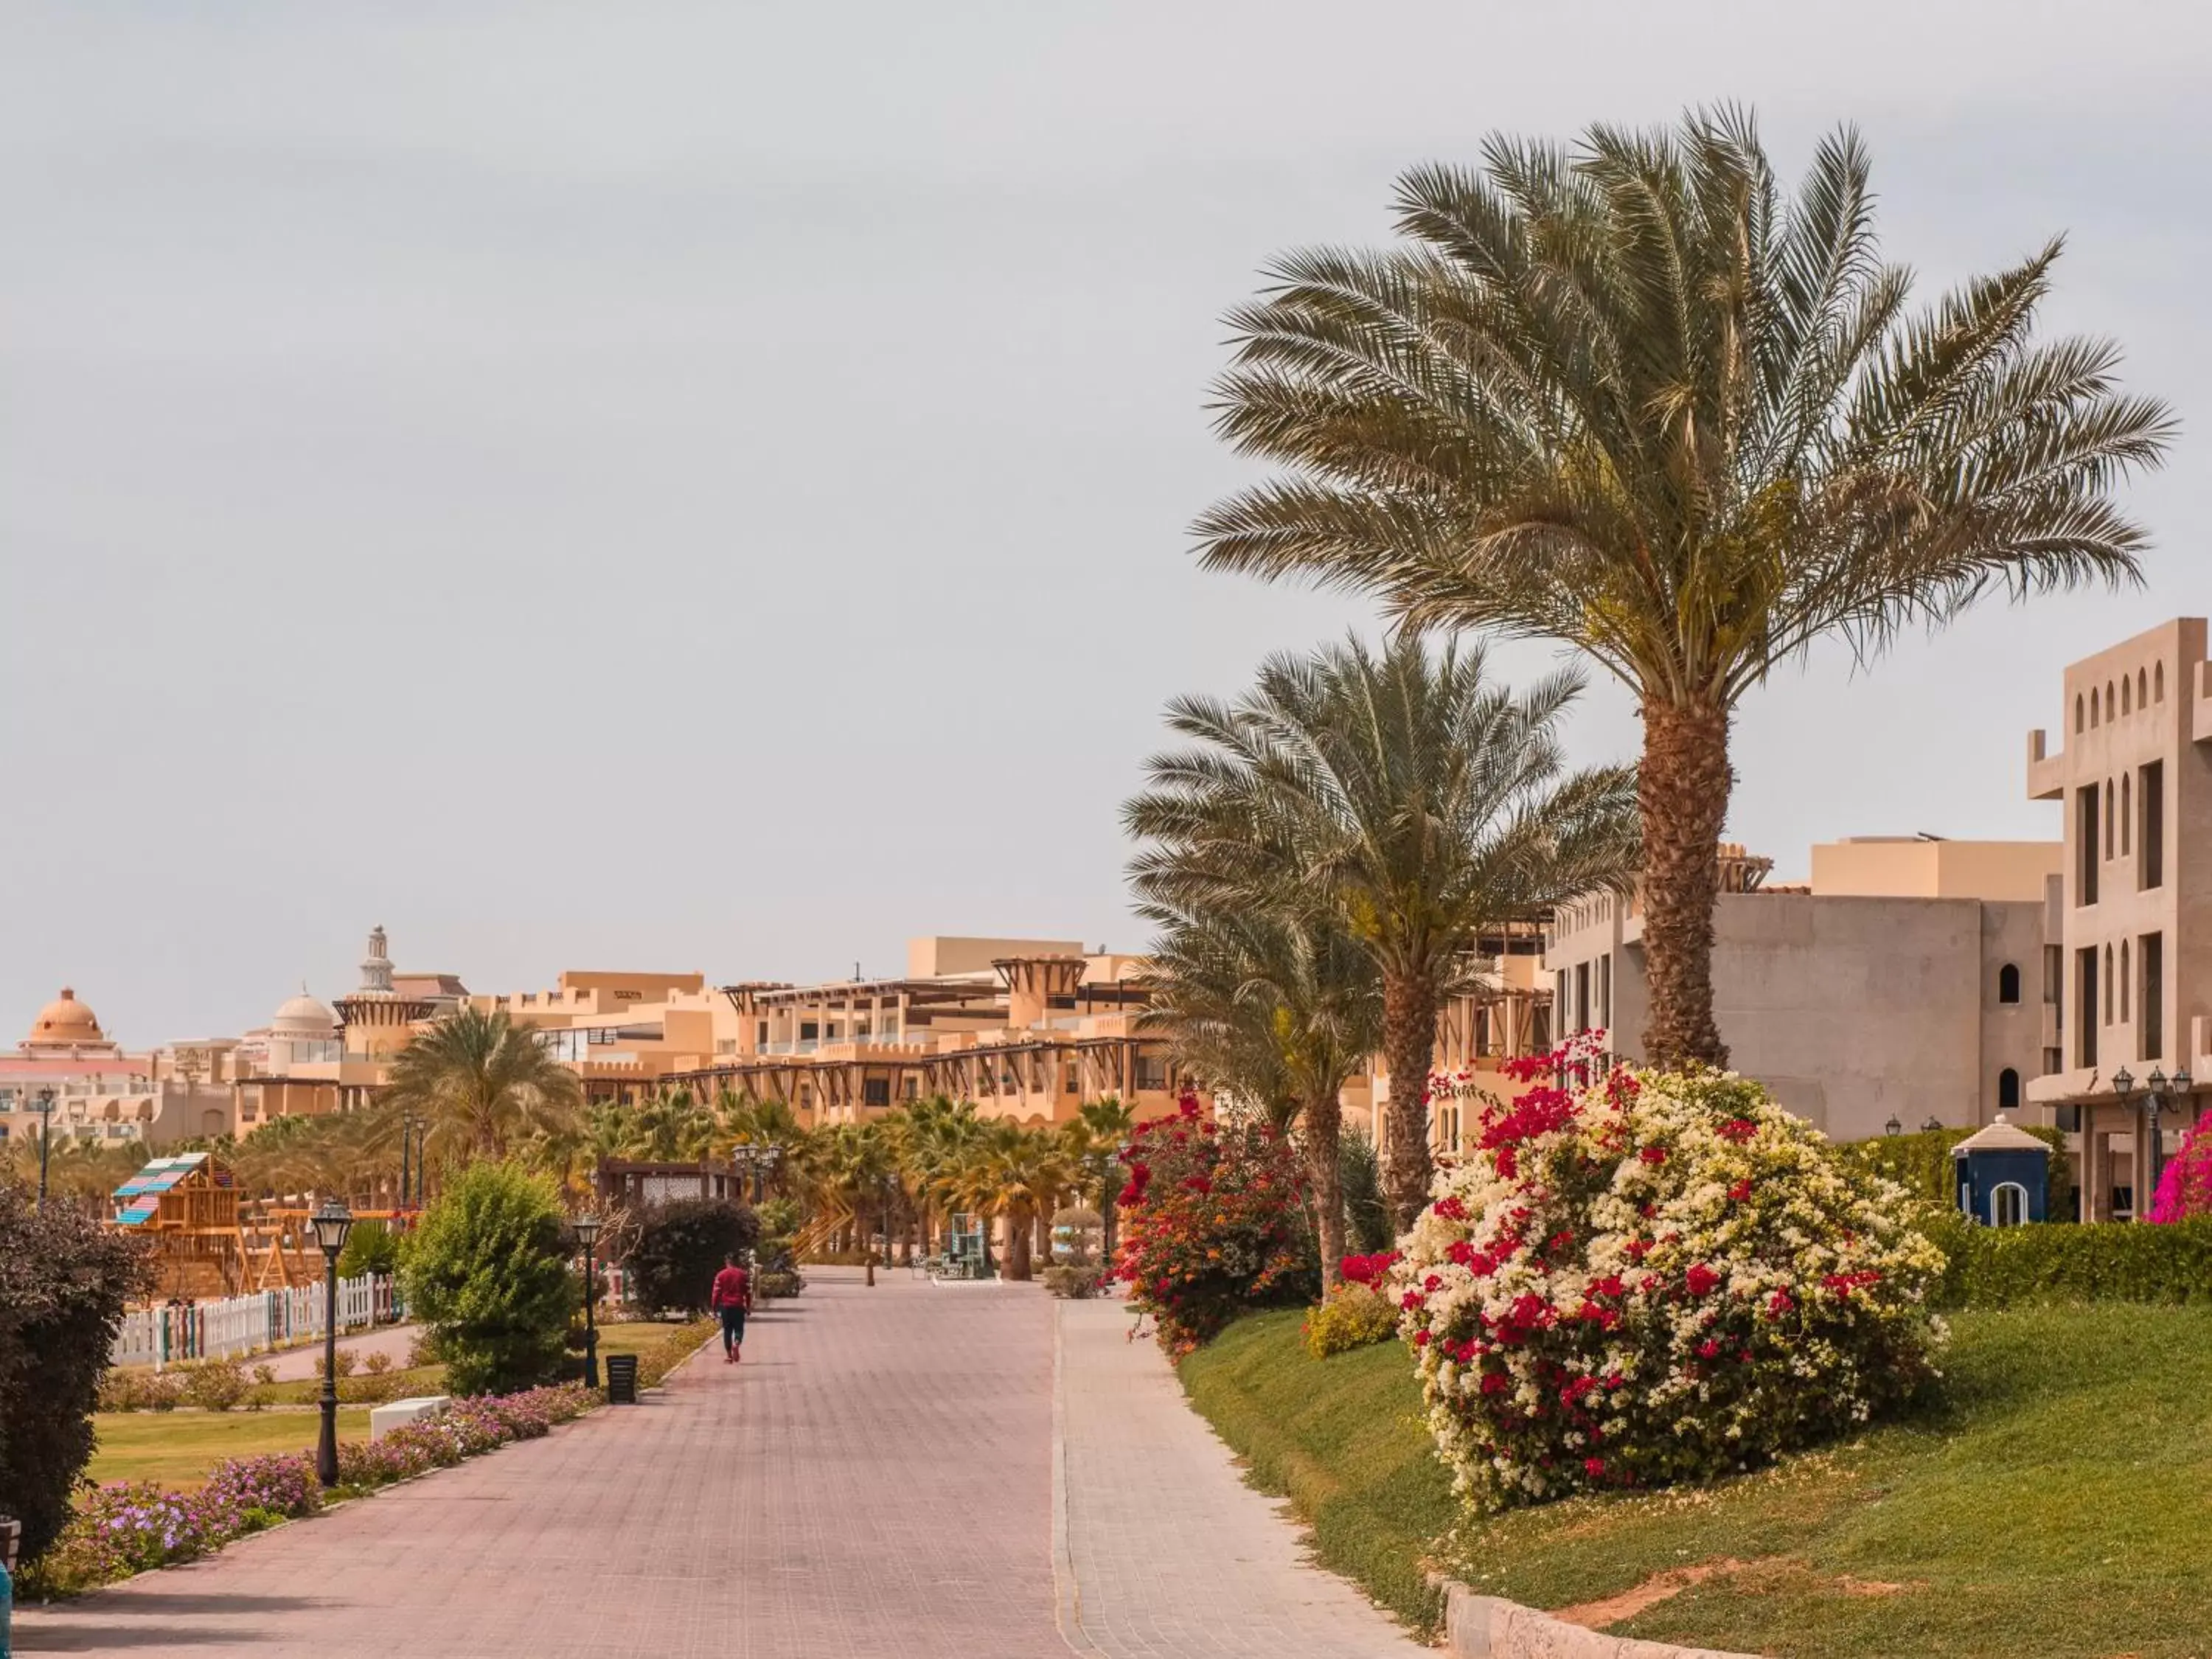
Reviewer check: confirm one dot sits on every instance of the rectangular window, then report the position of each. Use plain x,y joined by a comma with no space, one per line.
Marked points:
2150,834
2085,845
809,1030
1540,1030
1482,1047
2150,996
2054,973
1582,996
876,1091
910,1089
760,1034
2085,981
1151,1071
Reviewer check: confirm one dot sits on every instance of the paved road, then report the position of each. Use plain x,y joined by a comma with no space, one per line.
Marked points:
1169,1552
876,1479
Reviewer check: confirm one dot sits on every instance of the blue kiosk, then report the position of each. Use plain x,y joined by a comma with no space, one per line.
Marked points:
2003,1175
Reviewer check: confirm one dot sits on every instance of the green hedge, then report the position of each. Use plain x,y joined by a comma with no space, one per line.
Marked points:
2051,1265
1921,1162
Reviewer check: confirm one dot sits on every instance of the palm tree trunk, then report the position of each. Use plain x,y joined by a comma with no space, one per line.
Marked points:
1323,1120
1409,1038
1017,1245
1682,790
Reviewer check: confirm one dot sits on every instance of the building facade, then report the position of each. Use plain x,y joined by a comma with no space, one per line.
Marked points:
1903,983
2131,957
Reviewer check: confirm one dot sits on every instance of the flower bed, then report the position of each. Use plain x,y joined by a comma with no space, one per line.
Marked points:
1641,1278
131,1527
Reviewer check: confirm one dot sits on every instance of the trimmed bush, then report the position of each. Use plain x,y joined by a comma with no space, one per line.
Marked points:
1351,1315
1654,1277
777,1284
2050,1265
487,1272
1921,1162
1074,1283
680,1248
65,1281
213,1385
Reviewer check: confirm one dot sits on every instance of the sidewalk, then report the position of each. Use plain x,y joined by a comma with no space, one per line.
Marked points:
1164,1551
395,1342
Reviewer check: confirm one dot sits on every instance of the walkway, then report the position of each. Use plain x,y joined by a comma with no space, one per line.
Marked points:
1169,1552
394,1342
876,1479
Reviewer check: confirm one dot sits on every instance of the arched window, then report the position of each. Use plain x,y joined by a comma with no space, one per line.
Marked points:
2142,690
2008,1091
2009,1206
2108,985
2110,797
2127,810
2158,683
2123,981
2008,983
2093,711
2127,696
2108,700
2077,711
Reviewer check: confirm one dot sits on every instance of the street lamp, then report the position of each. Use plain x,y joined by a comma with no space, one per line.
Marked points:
410,1128
331,1224
1932,1124
46,1138
587,1230
1893,1128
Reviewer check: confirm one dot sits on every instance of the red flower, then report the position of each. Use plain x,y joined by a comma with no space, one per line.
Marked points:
1738,1129
1709,1349
1701,1279
1779,1305
1741,1191
1653,1154
1593,1467
1496,1382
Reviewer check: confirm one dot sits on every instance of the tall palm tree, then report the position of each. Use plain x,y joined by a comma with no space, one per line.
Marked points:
1627,396
1424,804
1093,1139
1014,1174
1286,995
482,1084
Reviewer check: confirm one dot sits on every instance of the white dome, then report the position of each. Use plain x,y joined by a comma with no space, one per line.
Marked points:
303,1017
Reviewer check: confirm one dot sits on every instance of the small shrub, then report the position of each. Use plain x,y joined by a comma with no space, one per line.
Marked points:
1215,1223
778,1283
377,1363
679,1249
1075,1284
781,1217
487,1272
127,1388
213,1385
1351,1317
347,1361
424,1350
1366,1210
370,1390
265,1375
370,1247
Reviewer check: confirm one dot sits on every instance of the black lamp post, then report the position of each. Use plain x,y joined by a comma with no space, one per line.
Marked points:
2155,1101
1934,1124
587,1230
331,1224
1893,1128
409,1126
46,1138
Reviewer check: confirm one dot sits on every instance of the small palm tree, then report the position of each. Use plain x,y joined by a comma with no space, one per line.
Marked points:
482,1084
1093,1139
1626,397
1422,804
1282,1005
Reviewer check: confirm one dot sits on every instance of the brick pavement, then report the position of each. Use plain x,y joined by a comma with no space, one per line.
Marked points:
1163,1552
873,1480
890,1473
394,1342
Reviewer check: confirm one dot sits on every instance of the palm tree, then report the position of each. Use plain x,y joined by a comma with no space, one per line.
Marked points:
1626,397
1015,1174
482,1084
1093,1139
1287,992
1423,804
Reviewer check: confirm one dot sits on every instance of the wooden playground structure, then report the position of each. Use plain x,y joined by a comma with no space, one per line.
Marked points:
209,1241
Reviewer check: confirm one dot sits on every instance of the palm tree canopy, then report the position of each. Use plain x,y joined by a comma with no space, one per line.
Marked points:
483,1084
1627,396
1407,791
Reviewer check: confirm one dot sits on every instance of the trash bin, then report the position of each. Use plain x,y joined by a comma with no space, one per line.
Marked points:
622,1379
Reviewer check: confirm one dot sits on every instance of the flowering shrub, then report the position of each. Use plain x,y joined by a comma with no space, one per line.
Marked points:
1646,1278
1214,1223
2184,1186
276,1484
1351,1315
1370,1270
465,1428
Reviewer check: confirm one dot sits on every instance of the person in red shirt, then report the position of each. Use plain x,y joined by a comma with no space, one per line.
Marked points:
732,1295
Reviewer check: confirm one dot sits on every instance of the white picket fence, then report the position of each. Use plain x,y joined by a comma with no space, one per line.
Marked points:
249,1324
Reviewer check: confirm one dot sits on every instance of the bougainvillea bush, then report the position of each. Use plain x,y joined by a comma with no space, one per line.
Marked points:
1213,1222
2184,1186
1640,1279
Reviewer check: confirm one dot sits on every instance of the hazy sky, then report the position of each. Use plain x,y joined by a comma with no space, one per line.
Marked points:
706,487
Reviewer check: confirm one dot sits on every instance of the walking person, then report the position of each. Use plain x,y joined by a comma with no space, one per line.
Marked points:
732,1295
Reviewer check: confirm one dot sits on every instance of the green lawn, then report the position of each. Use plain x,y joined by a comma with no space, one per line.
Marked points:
626,1338
2058,1501
178,1448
